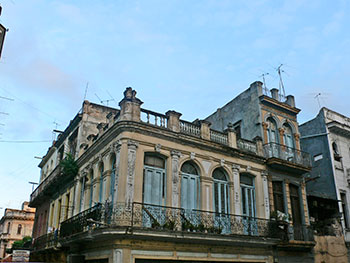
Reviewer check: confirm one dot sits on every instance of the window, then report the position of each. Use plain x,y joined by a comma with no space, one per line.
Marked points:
19,229
101,195
189,186
248,195
221,199
154,180
278,196
288,136
336,152
295,204
8,227
272,133
67,207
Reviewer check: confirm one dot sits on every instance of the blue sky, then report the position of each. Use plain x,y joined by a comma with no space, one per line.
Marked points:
188,56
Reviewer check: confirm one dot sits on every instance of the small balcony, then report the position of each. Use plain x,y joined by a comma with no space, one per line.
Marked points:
287,158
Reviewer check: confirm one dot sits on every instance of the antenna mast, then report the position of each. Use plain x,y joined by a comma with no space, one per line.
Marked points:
281,85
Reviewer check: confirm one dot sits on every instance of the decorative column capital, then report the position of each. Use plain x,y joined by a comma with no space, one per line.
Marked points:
175,154
115,147
281,131
296,136
236,168
264,125
264,174
132,144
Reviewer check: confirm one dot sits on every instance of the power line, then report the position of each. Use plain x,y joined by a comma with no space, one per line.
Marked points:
25,141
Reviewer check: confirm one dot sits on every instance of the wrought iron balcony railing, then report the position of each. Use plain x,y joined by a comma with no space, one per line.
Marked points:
275,150
46,241
162,218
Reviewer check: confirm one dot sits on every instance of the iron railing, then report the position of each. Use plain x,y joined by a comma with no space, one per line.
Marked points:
46,241
275,150
55,172
163,218
82,221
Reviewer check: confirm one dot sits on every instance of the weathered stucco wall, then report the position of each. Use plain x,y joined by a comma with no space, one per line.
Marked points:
330,249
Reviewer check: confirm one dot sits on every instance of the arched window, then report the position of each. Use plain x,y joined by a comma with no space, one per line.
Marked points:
189,186
102,183
288,136
221,196
272,133
19,229
154,180
248,195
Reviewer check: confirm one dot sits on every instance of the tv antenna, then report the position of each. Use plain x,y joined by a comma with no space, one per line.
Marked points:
281,85
86,89
103,101
263,77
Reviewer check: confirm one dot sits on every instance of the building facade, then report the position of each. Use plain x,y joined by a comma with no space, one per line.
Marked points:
327,138
154,188
14,225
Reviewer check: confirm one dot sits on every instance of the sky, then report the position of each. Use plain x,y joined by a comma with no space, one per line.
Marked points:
189,56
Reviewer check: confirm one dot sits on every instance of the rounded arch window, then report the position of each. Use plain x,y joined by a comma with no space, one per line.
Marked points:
272,134
220,191
189,168
19,229
288,135
220,174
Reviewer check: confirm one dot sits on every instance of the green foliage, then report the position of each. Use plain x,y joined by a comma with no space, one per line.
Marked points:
69,165
21,244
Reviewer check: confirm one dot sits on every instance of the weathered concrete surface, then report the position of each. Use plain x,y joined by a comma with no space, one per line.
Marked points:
330,249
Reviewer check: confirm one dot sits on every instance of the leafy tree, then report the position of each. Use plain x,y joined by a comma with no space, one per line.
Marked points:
69,165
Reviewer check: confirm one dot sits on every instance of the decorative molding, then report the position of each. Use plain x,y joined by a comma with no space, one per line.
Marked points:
129,196
192,155
158,147
236,168
222,162
175,155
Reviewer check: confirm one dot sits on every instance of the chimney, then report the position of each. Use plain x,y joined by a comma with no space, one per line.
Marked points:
291,101
274,94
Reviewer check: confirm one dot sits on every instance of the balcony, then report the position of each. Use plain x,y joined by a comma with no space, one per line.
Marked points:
287,158
171,222
46,241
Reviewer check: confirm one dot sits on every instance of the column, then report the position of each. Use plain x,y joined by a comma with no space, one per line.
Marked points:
231,136
77,195
117,147
297,141
304,199
281,133
264,125
205,129
266,194
237,189
175,155
129,194
270,188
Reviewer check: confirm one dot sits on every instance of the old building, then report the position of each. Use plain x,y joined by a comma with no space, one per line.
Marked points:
154,188
256,114
327,138
14,225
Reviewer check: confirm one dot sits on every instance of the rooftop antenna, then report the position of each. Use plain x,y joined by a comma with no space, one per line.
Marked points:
103,101
263,77
281,85
111,97
54,131
86,89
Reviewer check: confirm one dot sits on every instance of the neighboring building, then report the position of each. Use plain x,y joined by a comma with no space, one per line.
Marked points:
260,113
327,139
14,225
154,188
